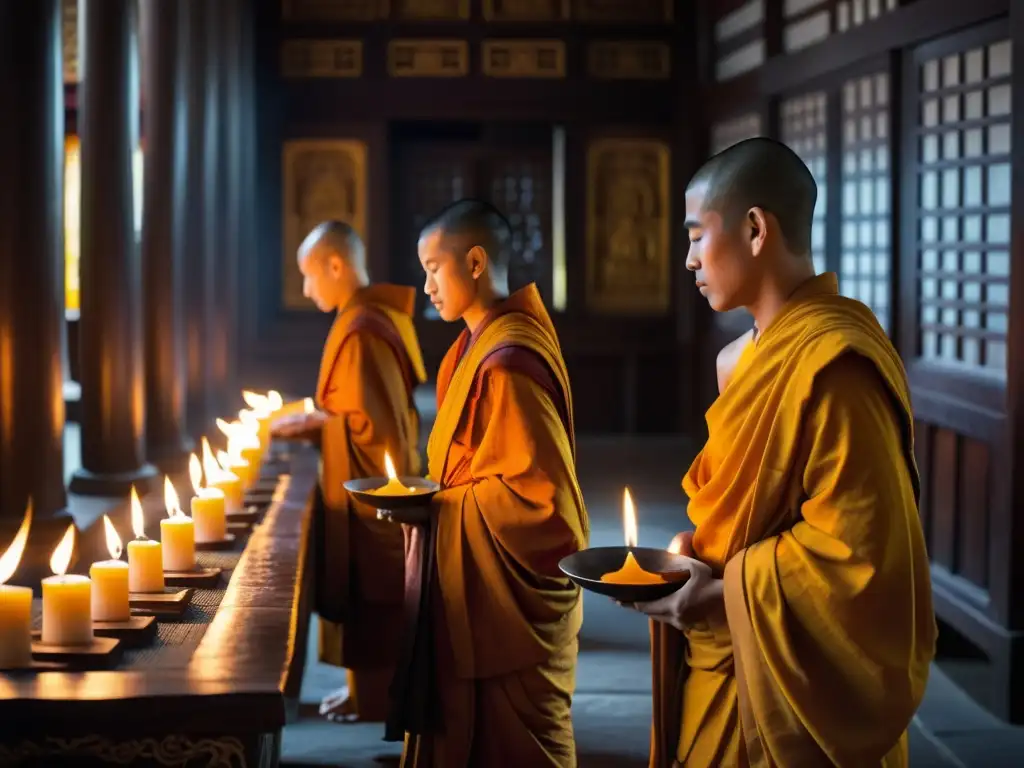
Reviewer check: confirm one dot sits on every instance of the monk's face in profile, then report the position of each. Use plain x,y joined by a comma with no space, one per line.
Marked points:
323,276
451,276
724,251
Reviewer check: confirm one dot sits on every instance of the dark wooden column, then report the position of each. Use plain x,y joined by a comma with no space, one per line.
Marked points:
113,402
163,248
31,260
197,308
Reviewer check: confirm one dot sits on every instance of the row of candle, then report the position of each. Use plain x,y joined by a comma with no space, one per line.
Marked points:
71,602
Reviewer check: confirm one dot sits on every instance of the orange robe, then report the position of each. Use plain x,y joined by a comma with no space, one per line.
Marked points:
506,619
371,364
805,500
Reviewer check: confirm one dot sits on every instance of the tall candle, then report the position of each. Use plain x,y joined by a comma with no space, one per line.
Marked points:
67,599
208,515
110,581
145,557
177,533
15,604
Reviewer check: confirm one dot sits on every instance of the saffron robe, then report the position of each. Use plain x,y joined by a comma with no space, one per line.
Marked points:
371,363
506,619
805,499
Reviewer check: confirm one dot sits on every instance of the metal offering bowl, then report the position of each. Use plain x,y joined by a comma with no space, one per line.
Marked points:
397,508
587,566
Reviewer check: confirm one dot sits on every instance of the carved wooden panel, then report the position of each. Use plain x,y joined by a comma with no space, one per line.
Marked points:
628,210
734,130
638,11
520,186
428,58
526,10
430,10
323,179
964,178
322,58
523,58
865,268
803,123
807,22
69,38
739,40
629,60
334,10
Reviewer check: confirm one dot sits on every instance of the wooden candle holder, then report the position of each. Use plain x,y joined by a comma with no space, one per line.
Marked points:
203,578
170,603
228,542
136,632
101,653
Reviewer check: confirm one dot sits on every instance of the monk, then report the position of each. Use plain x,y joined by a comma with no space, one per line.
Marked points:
370,365
805,632
506,620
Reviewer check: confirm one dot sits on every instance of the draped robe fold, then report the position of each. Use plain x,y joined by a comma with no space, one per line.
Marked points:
805,499
510,508
371,363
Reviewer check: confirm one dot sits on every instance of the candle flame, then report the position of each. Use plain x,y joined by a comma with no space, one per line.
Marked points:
389,467
9,560
255,401
61,557
195,473
249,421
138,521
274,400
210,465
226,459
307,405
114,545
629,518
171,501
227,427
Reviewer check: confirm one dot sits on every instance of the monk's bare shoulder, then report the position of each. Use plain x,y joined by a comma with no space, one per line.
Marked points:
729,356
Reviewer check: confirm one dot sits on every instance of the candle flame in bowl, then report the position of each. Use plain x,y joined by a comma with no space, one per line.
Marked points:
12,557
629,519
171,501
389,467
61,557
114,545
195,473
138,520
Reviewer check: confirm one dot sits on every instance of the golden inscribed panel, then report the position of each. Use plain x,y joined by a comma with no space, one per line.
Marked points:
526,10
430,10
523,58
69,38
334,10
628,209
636,11
323,179
629,60
321,58
428,58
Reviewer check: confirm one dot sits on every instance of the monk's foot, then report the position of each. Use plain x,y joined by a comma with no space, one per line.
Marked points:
339,707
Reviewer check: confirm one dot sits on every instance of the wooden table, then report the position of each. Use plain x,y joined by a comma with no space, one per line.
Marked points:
214,689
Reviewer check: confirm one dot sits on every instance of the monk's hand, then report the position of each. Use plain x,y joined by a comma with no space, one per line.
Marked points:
699,600
298,425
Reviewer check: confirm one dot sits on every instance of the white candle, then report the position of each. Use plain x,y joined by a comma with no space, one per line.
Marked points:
15,604
67,598
145,557
177,533
110,581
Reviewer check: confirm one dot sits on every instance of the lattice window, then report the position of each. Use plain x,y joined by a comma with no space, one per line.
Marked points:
739,40
866,264
521,189
964,207
729,132
803,126
853,13
807,22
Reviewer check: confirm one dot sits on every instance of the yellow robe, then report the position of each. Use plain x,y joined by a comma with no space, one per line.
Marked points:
371,363
805,499
510,508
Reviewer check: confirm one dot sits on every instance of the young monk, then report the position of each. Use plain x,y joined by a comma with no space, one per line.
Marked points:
370,365
804,634
502,448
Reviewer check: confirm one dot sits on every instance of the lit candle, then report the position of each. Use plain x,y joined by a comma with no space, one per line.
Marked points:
208,515
177,533
244,453
15,604
251,435
110,581
631,572
394,487
307,405
145,557
67,598
218,477
260,409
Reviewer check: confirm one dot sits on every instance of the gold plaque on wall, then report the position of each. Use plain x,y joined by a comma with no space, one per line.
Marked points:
69,38
321,58
334,10
636,11
628,209
629,60
323,179
526,10
428,58
523,58
430,10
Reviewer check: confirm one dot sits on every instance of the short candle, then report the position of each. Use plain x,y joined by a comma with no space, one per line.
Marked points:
208,515
67,599
15,604
110,590
178,539
145,557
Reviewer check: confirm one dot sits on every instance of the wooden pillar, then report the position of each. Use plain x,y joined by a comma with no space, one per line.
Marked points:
197,308
163,248
233,73
31,260
113,404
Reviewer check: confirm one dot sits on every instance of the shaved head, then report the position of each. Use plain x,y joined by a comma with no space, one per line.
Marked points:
335,238
468,223
766,174
332,260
